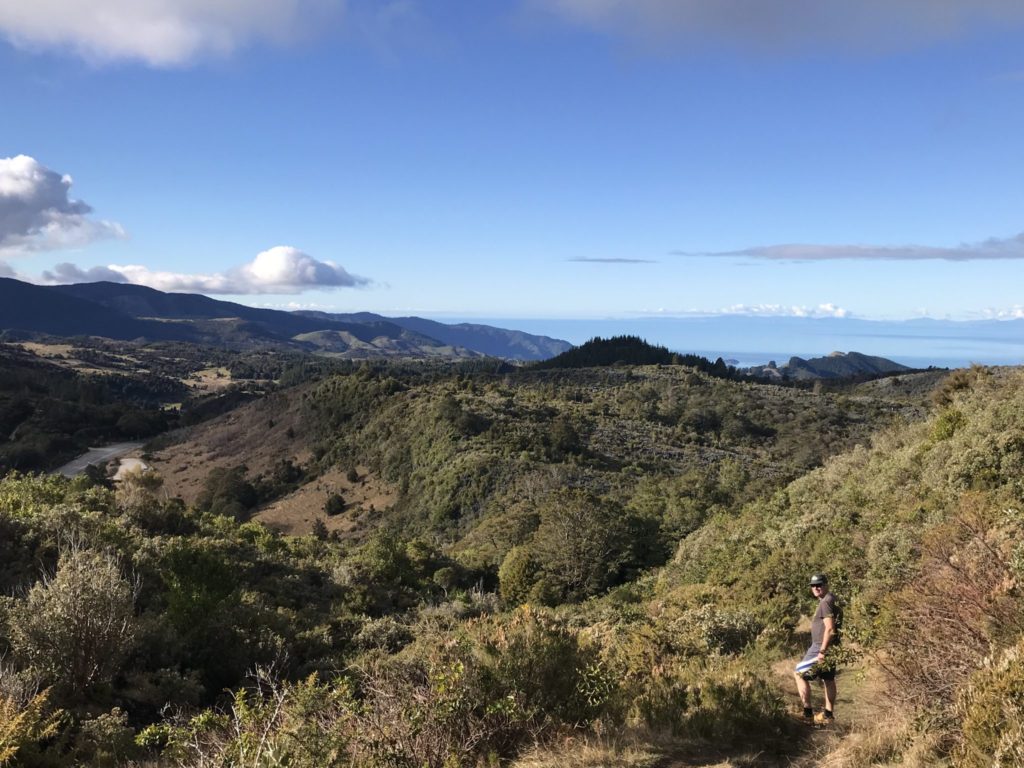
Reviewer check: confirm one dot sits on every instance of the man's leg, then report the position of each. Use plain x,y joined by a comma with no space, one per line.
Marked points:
804,689
830,694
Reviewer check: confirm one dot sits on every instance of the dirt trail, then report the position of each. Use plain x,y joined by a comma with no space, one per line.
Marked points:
862,704
862,709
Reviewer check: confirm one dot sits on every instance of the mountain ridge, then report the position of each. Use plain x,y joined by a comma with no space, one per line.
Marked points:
125,311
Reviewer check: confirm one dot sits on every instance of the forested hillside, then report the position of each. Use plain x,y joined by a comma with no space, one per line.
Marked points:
603,562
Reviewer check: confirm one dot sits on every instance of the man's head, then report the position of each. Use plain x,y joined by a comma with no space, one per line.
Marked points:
819,584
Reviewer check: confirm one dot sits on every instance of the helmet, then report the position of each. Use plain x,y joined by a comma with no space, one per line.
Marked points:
819,580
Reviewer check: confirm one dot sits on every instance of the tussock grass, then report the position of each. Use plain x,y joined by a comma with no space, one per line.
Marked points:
591,752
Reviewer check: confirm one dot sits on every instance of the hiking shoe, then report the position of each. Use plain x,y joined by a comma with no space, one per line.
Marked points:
822,720
801,717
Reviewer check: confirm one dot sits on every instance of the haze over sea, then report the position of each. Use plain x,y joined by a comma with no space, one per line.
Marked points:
756,340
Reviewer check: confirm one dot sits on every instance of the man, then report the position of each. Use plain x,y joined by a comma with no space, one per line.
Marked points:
814,666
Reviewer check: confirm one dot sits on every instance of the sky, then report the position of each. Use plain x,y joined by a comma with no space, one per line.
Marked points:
522,158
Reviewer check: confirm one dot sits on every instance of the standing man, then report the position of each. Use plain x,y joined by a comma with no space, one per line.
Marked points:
815,665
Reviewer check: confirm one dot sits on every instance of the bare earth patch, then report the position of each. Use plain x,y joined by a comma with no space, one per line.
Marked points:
296,513
259,435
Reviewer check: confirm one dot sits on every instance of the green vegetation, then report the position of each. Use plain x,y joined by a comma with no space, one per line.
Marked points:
632,350
49,414
574,554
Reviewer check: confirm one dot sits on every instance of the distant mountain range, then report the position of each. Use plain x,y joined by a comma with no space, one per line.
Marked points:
130,312
838,365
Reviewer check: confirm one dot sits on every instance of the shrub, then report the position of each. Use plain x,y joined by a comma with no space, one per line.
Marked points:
722,631
334,505
386,633
105,741
516,575
300,725
991,710
76,626
945,622
227,492
480,695
23,724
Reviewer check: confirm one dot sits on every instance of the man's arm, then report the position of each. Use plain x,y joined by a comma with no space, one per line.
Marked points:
826,638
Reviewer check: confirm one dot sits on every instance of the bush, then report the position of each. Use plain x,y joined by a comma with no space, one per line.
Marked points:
301,725
722,631
76,626
24,724
516,575
227,492
386,633
991,710
483,694
334,505
958,606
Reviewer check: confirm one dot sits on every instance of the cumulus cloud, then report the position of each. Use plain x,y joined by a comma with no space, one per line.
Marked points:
37,213
278,270
613,261
991,249
872,24
6,271
157,32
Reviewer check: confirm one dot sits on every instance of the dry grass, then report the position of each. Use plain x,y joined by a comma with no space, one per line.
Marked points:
885,743
296,513
209,380
591,752
260,434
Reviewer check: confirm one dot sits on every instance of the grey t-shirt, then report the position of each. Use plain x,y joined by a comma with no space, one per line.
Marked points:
827,608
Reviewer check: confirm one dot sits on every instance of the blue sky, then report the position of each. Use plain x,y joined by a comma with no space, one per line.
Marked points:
522,158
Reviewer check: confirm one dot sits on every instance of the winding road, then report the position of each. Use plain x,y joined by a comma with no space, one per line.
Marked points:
95,456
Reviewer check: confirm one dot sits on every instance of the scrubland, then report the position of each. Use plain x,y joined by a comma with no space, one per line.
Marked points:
601,566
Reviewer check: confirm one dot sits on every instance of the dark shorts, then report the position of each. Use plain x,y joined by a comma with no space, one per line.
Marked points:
823,671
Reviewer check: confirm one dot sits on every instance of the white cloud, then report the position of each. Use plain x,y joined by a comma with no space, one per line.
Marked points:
783,310
36,213
1016,312
158,32
993,248
278,270
760,310
6,271
872,24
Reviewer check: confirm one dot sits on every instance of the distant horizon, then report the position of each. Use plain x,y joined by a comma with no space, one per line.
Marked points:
751,340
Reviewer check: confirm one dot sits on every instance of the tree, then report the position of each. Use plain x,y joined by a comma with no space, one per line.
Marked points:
227,492
586,543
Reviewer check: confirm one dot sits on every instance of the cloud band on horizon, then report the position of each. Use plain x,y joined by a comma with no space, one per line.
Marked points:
278,270
991,249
